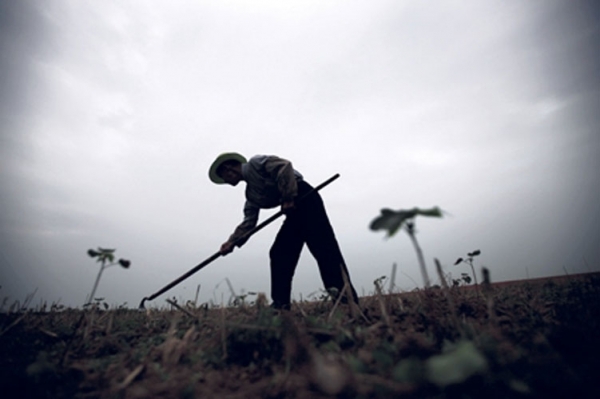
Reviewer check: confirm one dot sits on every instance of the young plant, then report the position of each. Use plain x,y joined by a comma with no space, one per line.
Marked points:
106,258
469,261
392,221
464,279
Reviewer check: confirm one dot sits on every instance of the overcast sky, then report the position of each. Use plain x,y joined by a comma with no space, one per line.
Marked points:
112,112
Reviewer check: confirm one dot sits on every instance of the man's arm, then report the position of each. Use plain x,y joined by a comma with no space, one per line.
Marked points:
251,212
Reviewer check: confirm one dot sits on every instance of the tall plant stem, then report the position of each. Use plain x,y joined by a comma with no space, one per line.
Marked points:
411,234
91,298
474,274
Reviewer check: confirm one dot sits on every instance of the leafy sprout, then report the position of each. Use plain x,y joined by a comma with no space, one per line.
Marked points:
106,258
391,221
469,261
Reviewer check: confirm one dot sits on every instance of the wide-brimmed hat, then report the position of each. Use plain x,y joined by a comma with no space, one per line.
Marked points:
228,156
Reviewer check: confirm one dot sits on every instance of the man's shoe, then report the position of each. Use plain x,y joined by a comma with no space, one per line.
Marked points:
280,306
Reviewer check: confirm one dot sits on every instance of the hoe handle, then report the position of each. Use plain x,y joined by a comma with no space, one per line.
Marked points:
218,254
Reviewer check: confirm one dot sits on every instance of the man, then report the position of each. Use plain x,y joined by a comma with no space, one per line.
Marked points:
270,182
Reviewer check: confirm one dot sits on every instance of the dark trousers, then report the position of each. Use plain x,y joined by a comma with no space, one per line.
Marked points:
309,224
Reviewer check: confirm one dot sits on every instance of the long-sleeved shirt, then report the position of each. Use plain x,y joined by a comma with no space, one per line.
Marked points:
270,181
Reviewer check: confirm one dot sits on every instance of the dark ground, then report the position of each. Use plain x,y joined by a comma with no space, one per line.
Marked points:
520,340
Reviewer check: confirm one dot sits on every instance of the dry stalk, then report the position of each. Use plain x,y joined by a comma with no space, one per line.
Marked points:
419,297
487,293
28,299
196,298
129,379
400,303
374,327
393,278
301,310
449,297
337,302
261,301
354,309
109,324
411,233
104,316
48,333
382,306
223,333
14,323
173,348
173,326
71,338
88,325
184,310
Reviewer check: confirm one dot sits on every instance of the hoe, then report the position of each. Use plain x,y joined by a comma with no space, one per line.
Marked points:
218,254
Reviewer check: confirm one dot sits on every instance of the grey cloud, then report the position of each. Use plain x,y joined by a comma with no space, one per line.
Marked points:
22,31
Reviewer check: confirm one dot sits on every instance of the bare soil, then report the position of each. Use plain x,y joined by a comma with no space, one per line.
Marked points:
526,339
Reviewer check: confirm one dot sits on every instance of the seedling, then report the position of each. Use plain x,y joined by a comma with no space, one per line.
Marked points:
469,261
464,279
106,258
392,221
